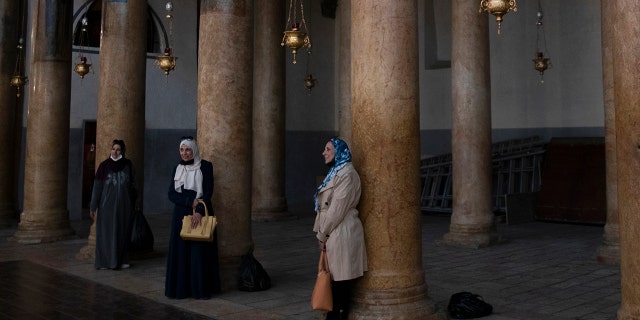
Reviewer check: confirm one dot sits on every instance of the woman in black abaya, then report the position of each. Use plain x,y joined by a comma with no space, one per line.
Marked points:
192,266
112,203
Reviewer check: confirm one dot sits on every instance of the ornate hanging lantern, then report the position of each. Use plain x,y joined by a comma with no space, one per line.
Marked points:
309,83
296,38
309,80
167,62
82,68
18,80
540,63
498,8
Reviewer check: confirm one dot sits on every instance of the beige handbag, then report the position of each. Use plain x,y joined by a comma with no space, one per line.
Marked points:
321,298
204,230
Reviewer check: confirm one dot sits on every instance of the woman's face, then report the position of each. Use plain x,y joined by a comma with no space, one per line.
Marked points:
329,152
186,153
116,150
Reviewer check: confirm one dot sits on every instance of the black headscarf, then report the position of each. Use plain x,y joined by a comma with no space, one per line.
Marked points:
110,165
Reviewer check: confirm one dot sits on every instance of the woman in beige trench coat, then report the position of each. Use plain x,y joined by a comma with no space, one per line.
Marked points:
337,226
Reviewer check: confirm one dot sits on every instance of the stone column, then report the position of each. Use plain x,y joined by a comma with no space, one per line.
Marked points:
343,33
225,90
45,217
472,221
626,89
609,250
121,91
10,30
268,196
386,147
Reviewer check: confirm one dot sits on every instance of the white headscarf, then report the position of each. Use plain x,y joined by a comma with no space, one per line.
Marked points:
189,176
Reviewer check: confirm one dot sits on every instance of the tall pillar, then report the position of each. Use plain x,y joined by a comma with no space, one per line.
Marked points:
472,221
225,89
45,217
10,31
121,91
268,193
609,250
343,33
386,153
626,89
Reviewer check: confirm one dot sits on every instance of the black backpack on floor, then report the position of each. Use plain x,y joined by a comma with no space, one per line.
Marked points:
466,305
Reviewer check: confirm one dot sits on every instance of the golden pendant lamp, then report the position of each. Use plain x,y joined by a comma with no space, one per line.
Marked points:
296,38
18,80
82,68
540,63
498,8
167,62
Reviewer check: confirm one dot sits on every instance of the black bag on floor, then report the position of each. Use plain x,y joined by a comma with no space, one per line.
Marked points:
252,276
466,305
141,235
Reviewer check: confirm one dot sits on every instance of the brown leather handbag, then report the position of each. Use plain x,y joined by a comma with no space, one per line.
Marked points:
321,298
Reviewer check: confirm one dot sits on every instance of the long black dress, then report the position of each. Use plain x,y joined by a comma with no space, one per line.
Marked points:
192,266
113,196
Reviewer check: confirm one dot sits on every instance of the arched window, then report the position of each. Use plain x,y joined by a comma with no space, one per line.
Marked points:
92,11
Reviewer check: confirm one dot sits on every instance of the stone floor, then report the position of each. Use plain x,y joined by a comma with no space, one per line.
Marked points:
544,271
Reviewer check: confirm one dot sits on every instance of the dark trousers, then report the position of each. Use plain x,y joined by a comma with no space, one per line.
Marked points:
341,291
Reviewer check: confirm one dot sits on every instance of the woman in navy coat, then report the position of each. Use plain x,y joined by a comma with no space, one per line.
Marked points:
192,266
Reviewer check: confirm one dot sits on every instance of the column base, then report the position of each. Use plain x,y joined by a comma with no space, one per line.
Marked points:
270,209
43,227
267,216
609,250
397,304
608,253
43,236
470,237
88,252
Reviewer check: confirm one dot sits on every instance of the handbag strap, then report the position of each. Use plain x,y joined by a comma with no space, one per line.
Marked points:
323,263
206,211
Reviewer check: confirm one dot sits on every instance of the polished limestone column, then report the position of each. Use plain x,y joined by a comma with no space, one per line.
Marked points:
225,90
45,217
609,250
10,26
268,201
626,88
386,153
343,33
121,91
472,222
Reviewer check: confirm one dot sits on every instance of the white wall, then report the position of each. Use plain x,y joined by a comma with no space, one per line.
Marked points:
571,95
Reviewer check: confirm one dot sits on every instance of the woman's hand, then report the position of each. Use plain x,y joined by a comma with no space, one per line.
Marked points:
322,245
195,220
92,214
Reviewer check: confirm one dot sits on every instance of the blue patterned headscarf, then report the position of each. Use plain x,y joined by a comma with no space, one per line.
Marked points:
341,158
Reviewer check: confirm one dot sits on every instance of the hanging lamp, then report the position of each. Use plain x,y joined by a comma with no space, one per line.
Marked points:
540,63
498,8
296,38
18,80
167,62
82,68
